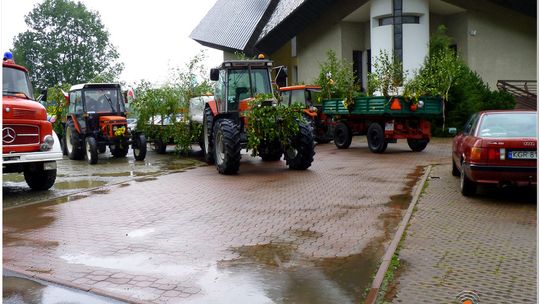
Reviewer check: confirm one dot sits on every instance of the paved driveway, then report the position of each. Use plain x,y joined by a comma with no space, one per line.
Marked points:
265,235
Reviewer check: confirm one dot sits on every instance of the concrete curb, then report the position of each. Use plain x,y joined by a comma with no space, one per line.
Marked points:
379,277
68,284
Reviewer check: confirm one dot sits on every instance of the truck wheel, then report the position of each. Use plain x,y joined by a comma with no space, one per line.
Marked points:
417,145
160,146
208,121
342,136
90,148
375,138
227,148
270,151
74,142
39,179
139,147
299,155
119,151
467,186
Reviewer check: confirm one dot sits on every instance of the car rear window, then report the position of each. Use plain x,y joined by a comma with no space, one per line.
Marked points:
508,125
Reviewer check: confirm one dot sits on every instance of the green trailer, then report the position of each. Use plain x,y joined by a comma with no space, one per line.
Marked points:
383,120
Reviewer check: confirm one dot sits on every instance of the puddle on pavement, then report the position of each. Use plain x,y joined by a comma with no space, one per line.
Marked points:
18,290
145,179
276,272
80,184
402,201
13,177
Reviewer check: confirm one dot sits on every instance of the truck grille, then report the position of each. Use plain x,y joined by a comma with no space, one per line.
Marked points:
18,135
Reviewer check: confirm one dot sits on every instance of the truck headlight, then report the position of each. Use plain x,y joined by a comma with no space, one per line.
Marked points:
48,143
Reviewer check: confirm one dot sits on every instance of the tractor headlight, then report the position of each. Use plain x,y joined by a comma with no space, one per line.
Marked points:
48,143
115,128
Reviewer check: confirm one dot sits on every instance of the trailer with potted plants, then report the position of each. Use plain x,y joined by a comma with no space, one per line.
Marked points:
383,120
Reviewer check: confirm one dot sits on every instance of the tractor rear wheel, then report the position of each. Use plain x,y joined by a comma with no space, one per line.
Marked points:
270,151
342,136
139,147
227,146
73,142
90,147
299,155
417,145
208,124
375,138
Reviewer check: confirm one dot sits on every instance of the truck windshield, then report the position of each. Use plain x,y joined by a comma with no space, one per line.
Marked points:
16,82
103,101
242,86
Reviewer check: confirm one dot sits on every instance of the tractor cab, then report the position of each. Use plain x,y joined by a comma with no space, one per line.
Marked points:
238,81
96,118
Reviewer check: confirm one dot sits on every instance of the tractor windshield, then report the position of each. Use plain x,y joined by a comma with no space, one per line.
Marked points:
103,101
15,82
245,83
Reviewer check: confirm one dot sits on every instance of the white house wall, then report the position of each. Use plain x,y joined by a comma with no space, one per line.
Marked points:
415,36
502,47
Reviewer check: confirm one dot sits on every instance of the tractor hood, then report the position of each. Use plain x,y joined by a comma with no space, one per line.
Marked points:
14,107
112,119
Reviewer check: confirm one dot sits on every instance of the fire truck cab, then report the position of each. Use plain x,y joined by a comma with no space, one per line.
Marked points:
29,144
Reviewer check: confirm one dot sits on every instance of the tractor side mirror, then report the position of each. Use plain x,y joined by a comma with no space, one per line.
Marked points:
42,96
214,74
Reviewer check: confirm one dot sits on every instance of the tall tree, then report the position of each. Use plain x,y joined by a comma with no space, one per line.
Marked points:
66,43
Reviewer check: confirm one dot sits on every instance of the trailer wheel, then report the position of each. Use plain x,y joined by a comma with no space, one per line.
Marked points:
160,146
91,150
270,151
342,136
74,149
38,179
208,121
417,145
375,138
299,155
227,149
139,147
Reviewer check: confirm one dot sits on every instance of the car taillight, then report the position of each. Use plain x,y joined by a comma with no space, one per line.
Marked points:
496,154
476,154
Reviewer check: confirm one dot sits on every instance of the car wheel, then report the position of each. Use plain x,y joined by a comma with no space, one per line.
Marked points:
467,186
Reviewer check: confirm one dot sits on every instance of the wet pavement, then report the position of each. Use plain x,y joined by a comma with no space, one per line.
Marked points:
486,244
267,235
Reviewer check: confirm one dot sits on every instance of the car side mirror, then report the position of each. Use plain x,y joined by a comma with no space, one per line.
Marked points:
452,131
214,74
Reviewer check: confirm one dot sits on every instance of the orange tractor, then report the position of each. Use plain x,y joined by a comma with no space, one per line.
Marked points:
96,118
225,122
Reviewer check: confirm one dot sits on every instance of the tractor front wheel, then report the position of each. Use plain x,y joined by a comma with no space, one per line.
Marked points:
139,147
73,142
299,155
208,122
227,146
270,151
91,150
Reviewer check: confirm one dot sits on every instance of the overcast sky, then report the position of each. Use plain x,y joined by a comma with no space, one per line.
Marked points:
150,35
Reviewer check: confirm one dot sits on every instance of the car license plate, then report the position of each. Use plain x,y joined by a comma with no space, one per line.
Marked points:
522,155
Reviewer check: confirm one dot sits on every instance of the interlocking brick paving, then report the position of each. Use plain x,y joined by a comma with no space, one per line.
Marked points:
485,243
268,234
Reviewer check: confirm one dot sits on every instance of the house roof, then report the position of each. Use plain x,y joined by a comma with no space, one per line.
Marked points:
255,26
233,25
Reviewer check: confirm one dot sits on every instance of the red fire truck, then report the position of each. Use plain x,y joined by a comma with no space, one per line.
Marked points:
29,144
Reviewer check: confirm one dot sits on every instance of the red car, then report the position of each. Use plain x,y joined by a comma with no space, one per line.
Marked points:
496,147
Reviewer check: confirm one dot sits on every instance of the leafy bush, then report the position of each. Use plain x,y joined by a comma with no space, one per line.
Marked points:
271,123
387,76
337,79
